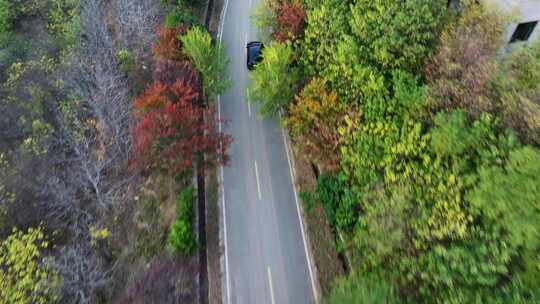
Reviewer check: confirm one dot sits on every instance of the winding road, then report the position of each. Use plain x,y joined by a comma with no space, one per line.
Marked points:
265,247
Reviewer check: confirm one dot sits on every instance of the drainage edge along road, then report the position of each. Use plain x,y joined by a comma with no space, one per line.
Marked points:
201,195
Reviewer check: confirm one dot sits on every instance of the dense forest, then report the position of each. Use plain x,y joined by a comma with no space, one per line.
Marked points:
425,127
105,111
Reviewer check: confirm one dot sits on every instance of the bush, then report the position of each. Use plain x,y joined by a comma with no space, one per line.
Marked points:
181,238
178,17
338,201
190,3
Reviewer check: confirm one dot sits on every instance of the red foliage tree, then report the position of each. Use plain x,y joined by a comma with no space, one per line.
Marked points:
168,45
168,136
290,19
169,71
160,94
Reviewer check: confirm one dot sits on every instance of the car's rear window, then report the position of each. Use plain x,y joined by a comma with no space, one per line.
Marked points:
254,52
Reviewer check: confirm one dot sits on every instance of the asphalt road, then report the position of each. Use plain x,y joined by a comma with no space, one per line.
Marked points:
265,251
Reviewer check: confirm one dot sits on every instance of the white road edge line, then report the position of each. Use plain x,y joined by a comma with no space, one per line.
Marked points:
300,217
223,14
258,182
227,277
271,285
249,108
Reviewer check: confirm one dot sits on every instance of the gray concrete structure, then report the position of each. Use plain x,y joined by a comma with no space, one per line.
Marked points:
523,12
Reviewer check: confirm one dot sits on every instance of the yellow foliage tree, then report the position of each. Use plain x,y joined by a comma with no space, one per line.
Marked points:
24,278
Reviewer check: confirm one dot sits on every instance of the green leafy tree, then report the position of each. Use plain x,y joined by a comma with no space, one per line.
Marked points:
264,17
24,277
326,23
209,60
509,198
397,34
274,80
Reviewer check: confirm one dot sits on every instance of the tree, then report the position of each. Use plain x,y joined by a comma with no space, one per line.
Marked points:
24,276
516,92
509,198
170,131
136,22
168,45
396,34
82,274
208,59
326,24
264,18
460,71
274,80
290,21
159,94
315,119
169,71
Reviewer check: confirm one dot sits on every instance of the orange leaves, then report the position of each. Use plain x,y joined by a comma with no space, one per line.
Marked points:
153,97
168,45
160,94
314,120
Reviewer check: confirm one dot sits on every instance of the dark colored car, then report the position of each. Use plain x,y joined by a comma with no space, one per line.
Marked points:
254,53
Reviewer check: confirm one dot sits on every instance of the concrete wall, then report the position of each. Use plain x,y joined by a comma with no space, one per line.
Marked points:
523,11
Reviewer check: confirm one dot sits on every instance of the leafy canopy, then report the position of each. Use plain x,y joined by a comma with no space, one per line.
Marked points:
24,276
274,80
315,119
396,34
208,59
